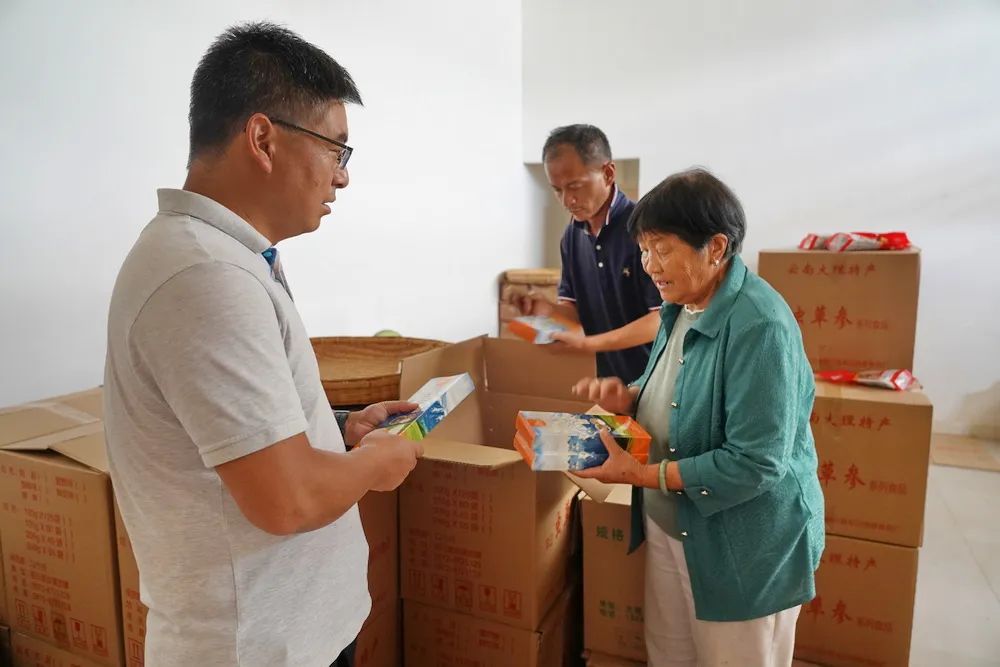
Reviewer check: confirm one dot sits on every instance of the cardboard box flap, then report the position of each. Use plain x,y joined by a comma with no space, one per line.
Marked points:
37,425
595,490
552,373
501,411
90,450
90,401
853,392
464,357
480,456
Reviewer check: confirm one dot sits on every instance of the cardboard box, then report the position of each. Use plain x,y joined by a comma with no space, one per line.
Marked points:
874,451
595,659
380,520
435,636
857,310
480,532
863,610
133,610
6,649
4,615
544,282
613,580
380,640
58,527
31,652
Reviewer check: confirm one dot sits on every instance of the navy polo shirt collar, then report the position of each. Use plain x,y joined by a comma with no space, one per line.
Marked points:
618,202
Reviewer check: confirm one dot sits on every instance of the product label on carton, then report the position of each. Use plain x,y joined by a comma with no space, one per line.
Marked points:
613,579
863,610
856,312
133,610
30,652
58,560
472,540
436,636
873,458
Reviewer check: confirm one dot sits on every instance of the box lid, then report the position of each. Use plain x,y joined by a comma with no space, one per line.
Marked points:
613,494
69,425
464,357
552,373
464,453
853,392
913,250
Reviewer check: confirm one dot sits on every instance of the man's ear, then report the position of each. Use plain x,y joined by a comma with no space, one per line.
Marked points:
260,139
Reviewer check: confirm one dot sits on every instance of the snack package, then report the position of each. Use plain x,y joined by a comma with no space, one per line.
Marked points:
896,379
867,241
537,329
437,398
843,241
567,442
814,242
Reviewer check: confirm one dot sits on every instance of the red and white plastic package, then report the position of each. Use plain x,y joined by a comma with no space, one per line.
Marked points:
814,242
848,241
895,379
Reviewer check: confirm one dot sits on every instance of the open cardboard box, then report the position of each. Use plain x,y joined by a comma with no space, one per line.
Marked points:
481,533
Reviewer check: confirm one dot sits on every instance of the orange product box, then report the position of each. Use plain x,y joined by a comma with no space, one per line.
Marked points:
537,329
566,441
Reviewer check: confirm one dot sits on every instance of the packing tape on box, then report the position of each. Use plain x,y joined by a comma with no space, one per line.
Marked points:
88,424
60,409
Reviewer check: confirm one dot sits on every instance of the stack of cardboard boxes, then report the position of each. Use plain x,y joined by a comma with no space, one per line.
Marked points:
482,542
857,311
57,531
485,543
470,560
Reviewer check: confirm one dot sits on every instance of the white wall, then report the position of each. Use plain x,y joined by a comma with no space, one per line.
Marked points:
94,119
821,116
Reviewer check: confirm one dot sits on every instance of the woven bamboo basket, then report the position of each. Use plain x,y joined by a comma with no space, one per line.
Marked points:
363,370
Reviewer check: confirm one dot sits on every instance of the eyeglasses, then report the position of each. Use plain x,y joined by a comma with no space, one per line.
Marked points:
343,155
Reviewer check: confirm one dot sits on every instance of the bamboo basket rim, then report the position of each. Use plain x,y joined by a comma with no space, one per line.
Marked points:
532,276
368,367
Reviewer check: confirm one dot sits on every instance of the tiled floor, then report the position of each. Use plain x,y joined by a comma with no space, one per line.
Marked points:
957,615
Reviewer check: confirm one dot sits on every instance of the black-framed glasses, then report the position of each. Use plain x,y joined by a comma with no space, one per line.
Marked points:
342,156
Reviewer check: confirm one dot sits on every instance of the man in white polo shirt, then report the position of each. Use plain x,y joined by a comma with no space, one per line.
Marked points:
230,469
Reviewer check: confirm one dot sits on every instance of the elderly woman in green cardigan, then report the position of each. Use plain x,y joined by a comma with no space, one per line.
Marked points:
729,504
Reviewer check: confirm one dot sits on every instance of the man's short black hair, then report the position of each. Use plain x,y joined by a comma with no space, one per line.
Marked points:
261,68
589,142
693,205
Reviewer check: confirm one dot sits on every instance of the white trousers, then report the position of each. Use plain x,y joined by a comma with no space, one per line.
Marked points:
675,638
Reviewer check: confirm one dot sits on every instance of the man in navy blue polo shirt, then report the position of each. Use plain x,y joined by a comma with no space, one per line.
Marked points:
603,285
